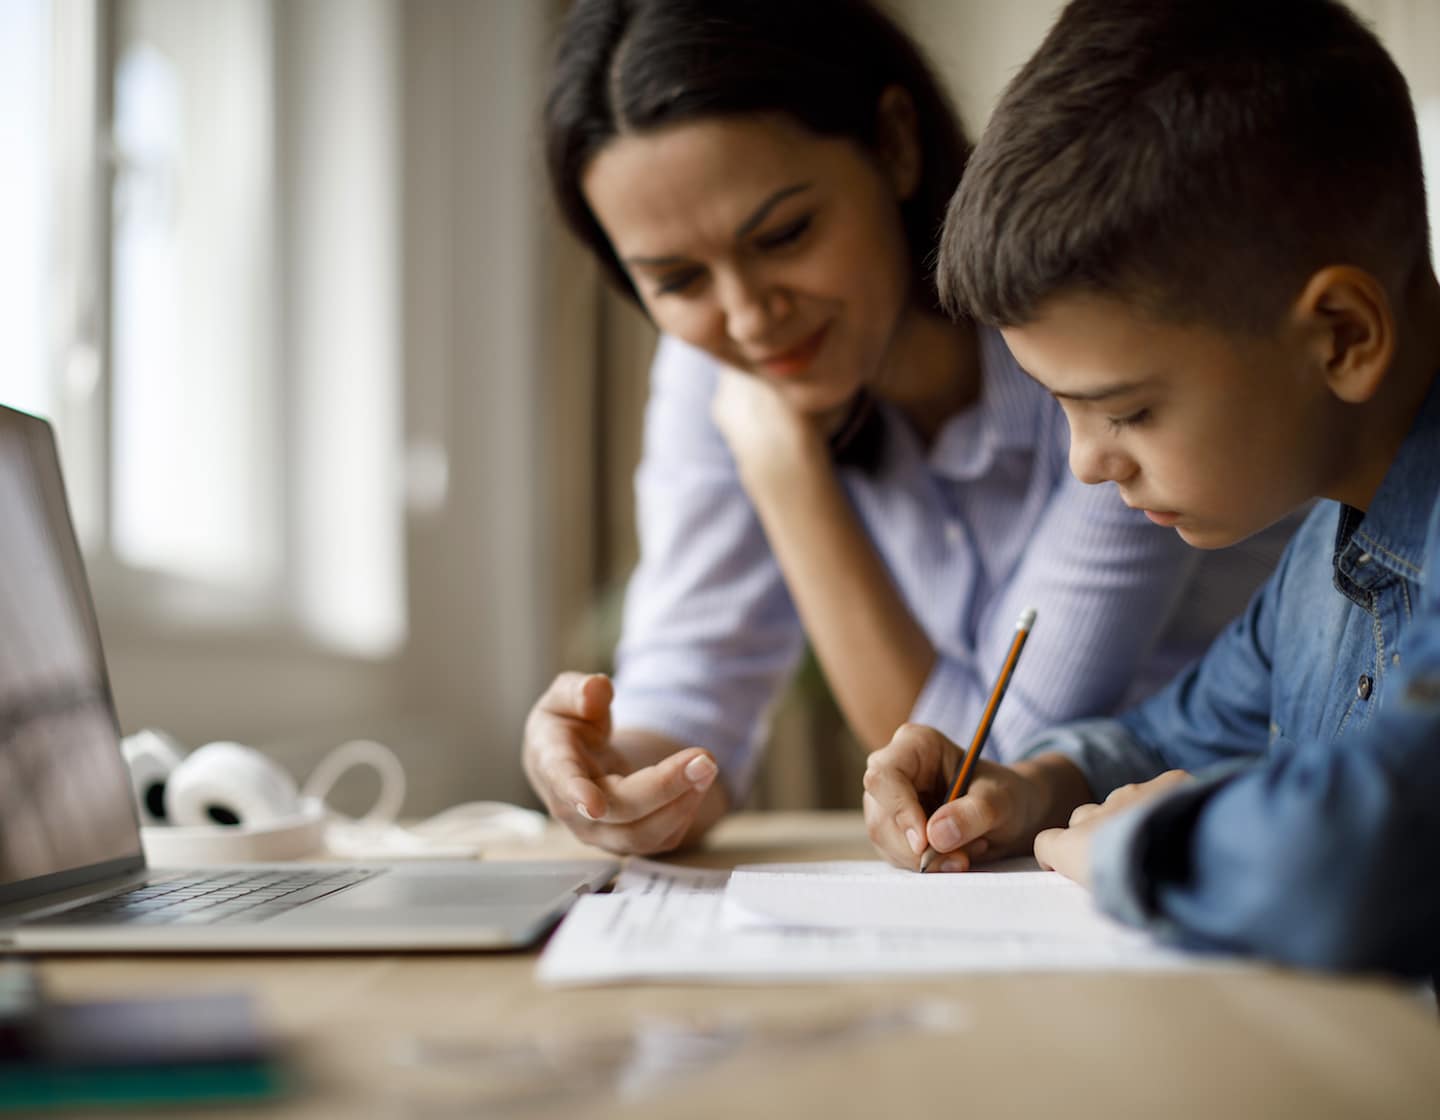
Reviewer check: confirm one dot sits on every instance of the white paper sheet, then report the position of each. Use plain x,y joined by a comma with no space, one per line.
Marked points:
646,876
1019,903
666,923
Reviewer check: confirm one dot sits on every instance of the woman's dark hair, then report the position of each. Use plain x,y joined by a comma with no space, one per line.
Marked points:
634,65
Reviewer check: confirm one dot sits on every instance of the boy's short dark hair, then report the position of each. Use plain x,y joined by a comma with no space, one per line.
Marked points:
1198,158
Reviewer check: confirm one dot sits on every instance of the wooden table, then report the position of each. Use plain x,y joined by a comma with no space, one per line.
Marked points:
414,1035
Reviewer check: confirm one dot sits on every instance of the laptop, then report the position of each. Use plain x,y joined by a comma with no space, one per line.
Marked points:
73,876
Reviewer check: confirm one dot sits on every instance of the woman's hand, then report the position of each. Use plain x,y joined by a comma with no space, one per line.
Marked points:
1067,850
769,438
641,797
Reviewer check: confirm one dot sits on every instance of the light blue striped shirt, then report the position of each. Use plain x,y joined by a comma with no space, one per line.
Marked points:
984,523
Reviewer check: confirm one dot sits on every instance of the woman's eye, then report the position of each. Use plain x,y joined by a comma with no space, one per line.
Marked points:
790,232
1137,417
676,282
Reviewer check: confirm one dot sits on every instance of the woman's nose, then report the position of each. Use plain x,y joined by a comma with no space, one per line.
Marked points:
752,307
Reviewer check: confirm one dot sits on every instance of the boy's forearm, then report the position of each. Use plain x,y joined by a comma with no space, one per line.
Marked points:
1104,753
1317,857
1060,787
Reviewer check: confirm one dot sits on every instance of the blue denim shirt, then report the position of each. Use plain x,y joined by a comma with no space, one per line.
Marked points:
1313,723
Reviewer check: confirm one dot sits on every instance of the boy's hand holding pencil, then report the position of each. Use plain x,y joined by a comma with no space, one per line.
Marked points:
988,810
998,816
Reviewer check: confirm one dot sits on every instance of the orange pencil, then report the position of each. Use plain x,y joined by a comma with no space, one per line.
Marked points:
967,764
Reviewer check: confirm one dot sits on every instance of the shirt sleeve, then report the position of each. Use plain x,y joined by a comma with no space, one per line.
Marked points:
710,632
1103,581
1322,855
1214,715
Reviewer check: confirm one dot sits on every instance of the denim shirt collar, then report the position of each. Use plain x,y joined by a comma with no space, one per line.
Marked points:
1388,540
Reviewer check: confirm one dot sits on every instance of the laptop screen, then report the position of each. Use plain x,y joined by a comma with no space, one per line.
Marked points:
65,798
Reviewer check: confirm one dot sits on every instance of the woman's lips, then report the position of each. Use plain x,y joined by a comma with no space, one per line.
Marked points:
1162,517
796,360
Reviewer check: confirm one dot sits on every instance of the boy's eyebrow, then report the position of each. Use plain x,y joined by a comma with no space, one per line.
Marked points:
1102,394
757,217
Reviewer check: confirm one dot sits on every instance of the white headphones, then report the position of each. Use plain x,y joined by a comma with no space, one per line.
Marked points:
222,802
228,803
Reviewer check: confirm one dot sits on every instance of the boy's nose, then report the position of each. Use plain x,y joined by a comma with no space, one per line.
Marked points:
1092,462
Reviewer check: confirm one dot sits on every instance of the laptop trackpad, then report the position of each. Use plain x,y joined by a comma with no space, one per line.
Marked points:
466,885
405,892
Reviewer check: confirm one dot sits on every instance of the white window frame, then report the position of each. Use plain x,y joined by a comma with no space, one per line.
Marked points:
467,282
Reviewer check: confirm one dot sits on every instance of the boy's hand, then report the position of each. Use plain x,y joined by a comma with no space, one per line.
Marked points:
998,816
1067,850
626,801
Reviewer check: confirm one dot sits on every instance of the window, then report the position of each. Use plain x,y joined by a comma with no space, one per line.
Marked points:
216,218
25,213
204,300
1429,111
193,417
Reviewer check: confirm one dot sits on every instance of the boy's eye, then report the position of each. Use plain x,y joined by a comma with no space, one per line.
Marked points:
1137,417
784,235
674,282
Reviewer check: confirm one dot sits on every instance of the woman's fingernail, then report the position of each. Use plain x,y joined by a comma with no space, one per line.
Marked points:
700,770
584,812
913,839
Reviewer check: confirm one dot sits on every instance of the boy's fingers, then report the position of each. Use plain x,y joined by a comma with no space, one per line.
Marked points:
894,775
895,835
593,697
892,791
911,761
918,752
894,817
642,793
962,821
963,859
1048,846
1083,813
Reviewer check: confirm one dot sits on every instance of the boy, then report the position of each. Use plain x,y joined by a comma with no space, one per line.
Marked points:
1201,225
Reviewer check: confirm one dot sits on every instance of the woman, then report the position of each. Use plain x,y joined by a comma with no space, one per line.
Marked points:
827,456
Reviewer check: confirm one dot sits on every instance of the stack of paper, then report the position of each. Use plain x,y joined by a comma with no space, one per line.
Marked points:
828,921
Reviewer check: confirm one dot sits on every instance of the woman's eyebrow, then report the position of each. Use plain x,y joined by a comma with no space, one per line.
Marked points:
763,210
756,218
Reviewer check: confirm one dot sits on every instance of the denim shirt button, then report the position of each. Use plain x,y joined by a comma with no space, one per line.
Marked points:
1363,687
1363,559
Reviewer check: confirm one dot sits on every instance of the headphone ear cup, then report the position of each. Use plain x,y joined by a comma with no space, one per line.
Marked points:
229,785
152,756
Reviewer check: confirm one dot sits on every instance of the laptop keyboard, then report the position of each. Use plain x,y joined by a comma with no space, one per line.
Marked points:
208,899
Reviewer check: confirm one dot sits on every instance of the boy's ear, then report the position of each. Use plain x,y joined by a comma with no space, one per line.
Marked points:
1346,317
898,133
